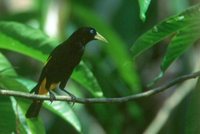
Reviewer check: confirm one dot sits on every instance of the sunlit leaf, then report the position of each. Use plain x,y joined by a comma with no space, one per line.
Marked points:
21,124
20,108
183,26
144,4
14,45
166,28
27,35
63,110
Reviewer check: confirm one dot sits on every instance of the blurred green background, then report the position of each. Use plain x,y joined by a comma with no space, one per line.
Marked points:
107,70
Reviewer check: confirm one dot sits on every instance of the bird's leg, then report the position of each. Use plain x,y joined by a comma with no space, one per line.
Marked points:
62,87
73,98
52,96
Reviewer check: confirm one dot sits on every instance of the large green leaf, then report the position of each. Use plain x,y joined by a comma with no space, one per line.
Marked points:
116,48
25,40
30,42
27,35
20,107
183,26
144,4
166,28
9,43
87,79
180,43
22,126
63,110
7,113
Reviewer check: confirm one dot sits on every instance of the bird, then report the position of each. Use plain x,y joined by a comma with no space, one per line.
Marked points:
60,65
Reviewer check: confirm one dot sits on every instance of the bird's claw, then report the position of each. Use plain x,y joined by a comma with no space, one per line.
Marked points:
52,97
73,98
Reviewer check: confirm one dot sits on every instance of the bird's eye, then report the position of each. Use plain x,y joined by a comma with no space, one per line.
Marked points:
92,31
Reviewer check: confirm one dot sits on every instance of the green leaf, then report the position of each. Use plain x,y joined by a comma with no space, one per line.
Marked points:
34,126
5,67
180,43
6,82
166,28
19,107
22,126
87,79
63,110
144,4
31,42
185,29
27,35
116,48
14,45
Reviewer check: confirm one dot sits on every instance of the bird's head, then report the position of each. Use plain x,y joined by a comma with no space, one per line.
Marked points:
86,34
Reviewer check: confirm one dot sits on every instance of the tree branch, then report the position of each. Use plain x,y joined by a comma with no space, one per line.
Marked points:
102,100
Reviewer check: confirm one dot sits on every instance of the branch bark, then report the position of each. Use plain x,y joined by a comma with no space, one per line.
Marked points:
133,97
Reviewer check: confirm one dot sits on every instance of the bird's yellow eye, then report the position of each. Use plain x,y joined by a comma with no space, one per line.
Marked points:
92,31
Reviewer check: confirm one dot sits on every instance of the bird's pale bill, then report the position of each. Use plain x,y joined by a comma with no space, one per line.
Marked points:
100,37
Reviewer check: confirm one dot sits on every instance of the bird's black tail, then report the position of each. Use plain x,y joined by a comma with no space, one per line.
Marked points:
34,109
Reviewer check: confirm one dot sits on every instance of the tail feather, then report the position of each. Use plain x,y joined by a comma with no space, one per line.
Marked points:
34,109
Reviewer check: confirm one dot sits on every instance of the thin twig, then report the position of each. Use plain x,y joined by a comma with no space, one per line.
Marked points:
102,100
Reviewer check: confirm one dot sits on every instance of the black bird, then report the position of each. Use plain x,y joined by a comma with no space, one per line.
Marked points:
60,64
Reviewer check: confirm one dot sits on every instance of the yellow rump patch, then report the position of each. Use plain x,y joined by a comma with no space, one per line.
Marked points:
42,88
